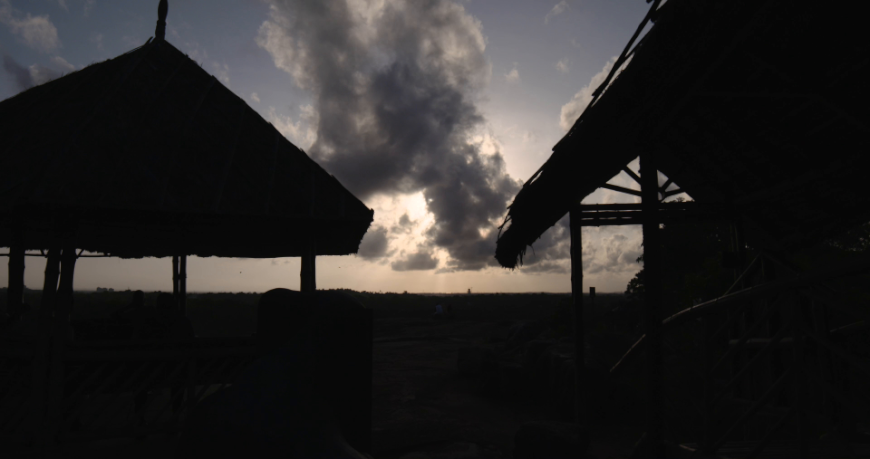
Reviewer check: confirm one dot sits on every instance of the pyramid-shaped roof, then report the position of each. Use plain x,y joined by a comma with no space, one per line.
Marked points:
147,154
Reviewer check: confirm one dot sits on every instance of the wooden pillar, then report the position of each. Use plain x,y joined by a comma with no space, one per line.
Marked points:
182,284
175,278
308,272
15,289
39,376
61,335
799,375
580,409
179,282
652,267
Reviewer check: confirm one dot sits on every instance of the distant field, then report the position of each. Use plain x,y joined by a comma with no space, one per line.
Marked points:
235,314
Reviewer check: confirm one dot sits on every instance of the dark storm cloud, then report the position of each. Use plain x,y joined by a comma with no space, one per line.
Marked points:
394,86
375,244
20,74
553,245
422,260
404,226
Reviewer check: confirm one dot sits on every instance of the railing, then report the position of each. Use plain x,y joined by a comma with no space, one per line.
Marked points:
114,389
764,368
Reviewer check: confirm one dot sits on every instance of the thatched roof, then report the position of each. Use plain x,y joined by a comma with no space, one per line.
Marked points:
147,154
757,104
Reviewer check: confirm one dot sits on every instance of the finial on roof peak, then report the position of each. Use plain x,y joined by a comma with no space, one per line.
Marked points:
162,9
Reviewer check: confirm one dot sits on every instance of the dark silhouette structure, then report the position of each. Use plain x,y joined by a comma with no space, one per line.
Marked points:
756,109
144,155
306,397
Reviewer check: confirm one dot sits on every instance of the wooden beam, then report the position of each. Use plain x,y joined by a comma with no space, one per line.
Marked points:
622,189
653,266
631,174
580,392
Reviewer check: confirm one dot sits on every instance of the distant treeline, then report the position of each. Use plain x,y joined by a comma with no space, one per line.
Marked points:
235,314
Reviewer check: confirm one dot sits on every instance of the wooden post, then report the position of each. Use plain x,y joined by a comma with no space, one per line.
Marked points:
179,282
182,284
308,272
799,376
709,387
652,267
61,334
175,278
41,351
580,411
15,289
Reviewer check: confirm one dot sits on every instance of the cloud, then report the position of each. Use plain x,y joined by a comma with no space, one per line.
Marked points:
63,5
573,109
37,32
222,72
393,87
98,39
63,64
618,254
20,74
40,74
302,132
404,226
513,76
560,8
562,65
422,260
374,244
36,74
255,97
89,5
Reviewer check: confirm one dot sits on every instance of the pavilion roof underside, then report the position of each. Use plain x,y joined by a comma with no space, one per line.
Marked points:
759,105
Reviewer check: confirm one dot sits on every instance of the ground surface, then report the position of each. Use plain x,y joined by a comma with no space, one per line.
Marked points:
422,407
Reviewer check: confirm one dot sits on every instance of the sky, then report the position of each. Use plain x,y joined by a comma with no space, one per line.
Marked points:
432,112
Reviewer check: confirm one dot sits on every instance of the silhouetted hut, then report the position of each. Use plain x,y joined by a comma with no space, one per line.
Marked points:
147,155
756,109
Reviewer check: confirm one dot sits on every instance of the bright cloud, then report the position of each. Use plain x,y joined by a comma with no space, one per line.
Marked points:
513,76
562,65
560,8
38,32
394,85
255,97
572,110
